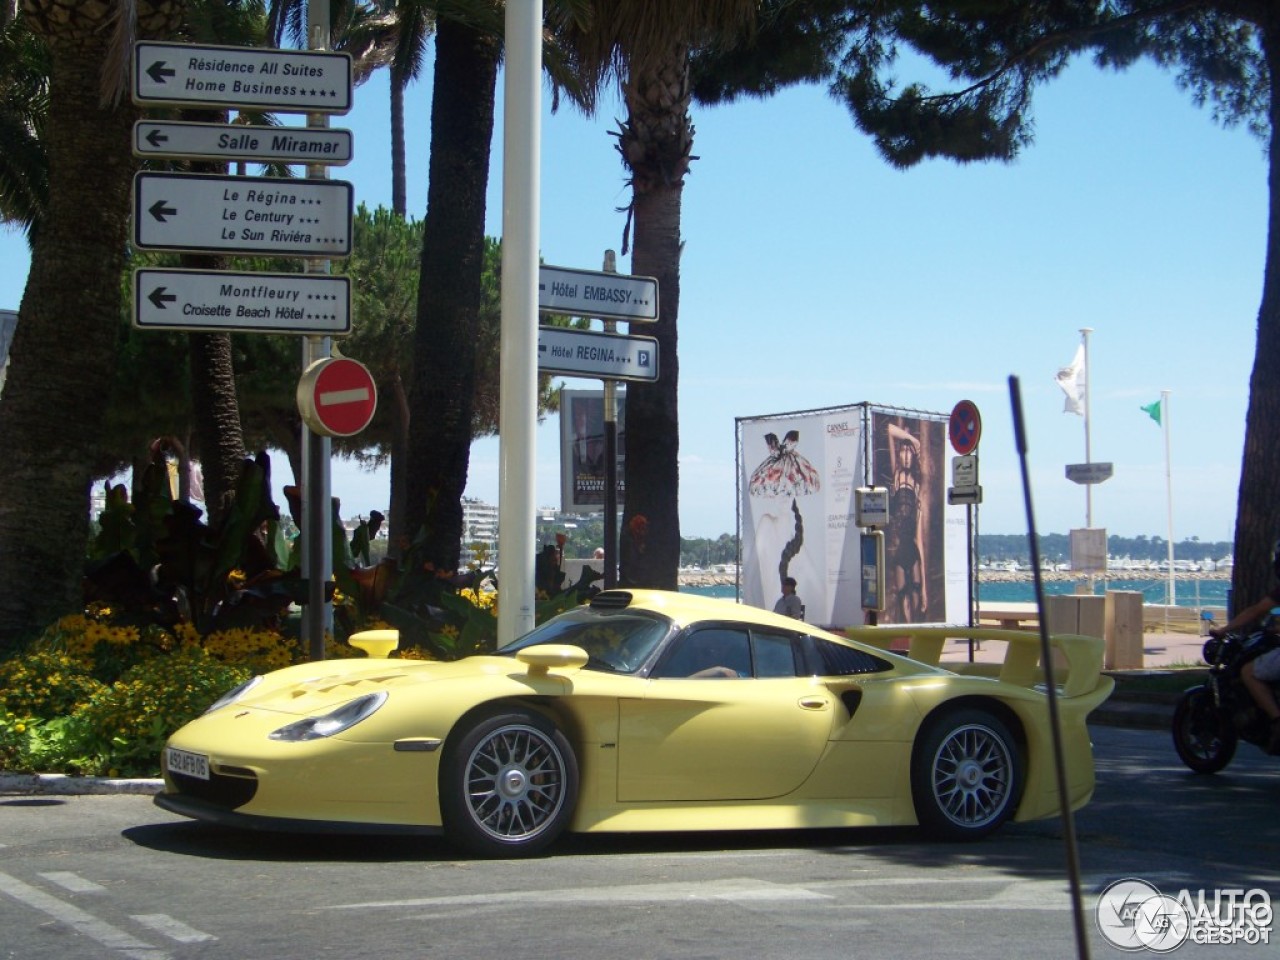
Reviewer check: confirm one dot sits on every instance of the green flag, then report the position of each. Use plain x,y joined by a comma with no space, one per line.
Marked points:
1153,411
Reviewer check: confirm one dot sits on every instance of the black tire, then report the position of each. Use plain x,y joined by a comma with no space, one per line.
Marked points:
966,775
1204,738
508,784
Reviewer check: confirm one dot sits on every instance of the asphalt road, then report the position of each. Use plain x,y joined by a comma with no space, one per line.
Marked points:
107,877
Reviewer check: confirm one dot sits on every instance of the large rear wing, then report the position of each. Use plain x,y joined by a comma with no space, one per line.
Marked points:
1076,670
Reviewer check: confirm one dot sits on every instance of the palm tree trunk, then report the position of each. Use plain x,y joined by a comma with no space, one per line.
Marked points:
64,350
442,397
1258,506
216,412
656,144
399,201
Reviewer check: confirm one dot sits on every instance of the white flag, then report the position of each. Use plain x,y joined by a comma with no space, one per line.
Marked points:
1072,380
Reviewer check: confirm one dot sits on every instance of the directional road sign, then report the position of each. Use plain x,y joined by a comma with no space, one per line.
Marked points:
265,302
591,293
1089,472
265,215
608,356
289,81
337,397
231,141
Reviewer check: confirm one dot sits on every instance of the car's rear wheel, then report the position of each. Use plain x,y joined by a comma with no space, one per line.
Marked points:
508,784
966,775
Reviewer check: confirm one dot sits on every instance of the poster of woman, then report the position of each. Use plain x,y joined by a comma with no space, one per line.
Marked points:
908,460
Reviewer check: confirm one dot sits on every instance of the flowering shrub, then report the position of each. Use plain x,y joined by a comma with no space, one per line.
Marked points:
93,696
258,650
125,726
44,685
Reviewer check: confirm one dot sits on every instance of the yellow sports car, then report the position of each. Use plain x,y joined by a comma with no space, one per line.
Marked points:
646,711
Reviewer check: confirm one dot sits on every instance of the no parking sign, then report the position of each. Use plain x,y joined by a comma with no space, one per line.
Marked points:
965,427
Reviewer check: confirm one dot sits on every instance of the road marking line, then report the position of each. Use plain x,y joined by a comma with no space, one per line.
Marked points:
726,890
73,882
85,923
171,928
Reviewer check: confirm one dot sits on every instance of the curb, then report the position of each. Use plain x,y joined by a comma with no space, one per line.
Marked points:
59,784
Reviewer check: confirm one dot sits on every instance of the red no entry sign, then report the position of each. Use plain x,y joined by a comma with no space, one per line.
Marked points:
965,427
337,397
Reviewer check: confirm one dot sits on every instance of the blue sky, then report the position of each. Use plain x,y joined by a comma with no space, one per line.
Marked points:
815,275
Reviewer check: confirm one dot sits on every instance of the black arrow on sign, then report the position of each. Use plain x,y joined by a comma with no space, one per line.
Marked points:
159,72
160,211
160,298
155,138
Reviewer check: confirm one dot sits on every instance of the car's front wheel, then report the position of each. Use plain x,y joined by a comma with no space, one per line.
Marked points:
508,784
966,775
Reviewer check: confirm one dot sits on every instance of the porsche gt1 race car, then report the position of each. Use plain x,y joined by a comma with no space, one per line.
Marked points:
646,711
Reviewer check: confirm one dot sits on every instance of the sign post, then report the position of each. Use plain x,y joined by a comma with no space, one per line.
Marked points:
308,218
965,430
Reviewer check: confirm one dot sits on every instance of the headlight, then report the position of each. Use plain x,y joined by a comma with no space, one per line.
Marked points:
333,722
231,696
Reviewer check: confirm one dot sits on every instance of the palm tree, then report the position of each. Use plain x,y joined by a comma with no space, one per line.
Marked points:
64,348
24,101
449,291
646,45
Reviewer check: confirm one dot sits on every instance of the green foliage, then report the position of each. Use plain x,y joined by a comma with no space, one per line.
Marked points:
193,563
46,684
124,727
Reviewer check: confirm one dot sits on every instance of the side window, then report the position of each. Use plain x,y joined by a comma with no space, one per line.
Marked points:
773,654
827,659
710,652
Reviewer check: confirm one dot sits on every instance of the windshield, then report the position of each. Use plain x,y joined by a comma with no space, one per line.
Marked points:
616,641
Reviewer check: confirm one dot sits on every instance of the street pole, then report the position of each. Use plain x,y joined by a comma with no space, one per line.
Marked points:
1168,488
518,413
1088,458
610,458
317,530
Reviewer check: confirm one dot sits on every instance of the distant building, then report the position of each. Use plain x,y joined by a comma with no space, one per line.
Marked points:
8,323
479,527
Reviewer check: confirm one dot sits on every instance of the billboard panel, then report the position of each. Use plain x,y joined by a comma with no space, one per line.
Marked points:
582,443
797,479
909,459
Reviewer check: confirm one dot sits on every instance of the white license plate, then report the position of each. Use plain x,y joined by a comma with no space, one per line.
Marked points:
192,764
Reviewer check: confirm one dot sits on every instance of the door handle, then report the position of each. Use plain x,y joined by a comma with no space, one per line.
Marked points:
814,703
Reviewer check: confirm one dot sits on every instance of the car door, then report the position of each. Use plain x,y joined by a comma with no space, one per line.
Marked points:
751,736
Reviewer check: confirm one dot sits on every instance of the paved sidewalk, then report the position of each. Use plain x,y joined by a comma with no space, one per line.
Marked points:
1160,651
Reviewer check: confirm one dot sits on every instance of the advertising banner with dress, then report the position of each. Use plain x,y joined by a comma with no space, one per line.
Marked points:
797,477
797,474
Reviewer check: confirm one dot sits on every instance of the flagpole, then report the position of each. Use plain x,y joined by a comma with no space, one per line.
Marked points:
1168,487
1088,376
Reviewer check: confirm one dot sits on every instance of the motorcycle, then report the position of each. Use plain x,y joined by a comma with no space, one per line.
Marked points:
1211,718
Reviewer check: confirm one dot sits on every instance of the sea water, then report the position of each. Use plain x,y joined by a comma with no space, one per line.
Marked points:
1188,592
